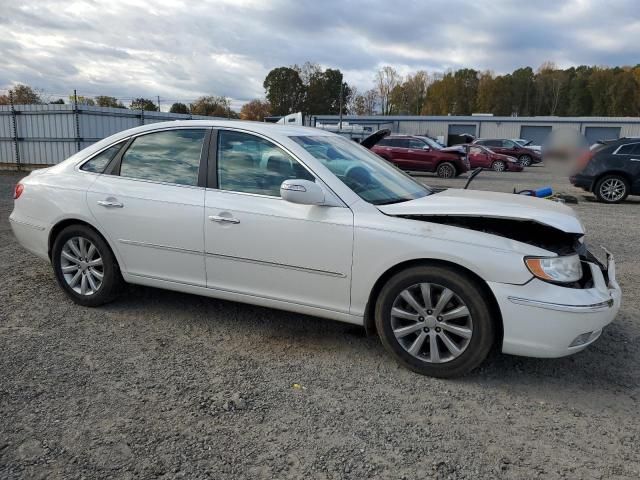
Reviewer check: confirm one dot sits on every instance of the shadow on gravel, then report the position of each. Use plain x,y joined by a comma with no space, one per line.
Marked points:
601,367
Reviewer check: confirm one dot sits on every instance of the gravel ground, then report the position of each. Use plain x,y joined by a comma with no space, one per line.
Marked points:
168,385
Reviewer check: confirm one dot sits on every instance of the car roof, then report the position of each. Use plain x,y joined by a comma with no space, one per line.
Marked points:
258,127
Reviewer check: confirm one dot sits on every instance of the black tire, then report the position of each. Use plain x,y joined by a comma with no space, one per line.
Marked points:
446,170
112,281
467,289
604,192
525,160
499,166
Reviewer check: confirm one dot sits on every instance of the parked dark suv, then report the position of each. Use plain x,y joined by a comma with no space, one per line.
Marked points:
525,156
421,154
610,170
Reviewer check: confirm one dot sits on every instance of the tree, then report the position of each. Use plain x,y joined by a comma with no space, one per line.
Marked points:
212,106
362,104
522,89
105,101
143,104
57,102
323,93
466,88
386,80
624,94
255,110
285,91
22,95
179,108
415,90
82,100
370,101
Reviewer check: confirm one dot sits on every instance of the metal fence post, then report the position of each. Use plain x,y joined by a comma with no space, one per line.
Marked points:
77,118
142,116
14,126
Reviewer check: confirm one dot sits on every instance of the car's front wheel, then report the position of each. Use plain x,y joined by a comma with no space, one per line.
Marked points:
435,321
446,170
612,189
499,166
525,160
85,266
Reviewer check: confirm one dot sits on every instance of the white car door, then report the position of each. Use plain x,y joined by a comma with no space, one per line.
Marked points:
258,244
150,204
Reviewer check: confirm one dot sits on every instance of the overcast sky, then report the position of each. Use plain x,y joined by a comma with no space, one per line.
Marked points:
183,49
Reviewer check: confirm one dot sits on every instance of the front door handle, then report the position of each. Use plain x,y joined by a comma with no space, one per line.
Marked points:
216,218
110,204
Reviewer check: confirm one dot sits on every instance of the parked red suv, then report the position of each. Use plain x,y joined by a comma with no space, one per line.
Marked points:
421,155
525,155
480,156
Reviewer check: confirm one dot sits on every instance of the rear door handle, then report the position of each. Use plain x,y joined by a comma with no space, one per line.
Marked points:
635,159
110,204
216,218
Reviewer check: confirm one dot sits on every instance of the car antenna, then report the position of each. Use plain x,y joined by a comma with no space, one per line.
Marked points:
473,175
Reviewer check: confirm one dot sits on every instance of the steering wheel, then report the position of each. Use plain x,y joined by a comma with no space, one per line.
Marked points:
358,178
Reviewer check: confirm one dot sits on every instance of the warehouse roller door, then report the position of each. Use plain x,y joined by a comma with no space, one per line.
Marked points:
457,133
594,134
536,133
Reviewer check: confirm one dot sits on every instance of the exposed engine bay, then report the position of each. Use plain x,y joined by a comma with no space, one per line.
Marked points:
525,231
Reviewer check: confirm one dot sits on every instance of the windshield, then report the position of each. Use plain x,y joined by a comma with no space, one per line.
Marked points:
369,176
431,142
522,142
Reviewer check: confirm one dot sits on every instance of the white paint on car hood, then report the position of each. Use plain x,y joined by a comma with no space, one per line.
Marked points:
477,203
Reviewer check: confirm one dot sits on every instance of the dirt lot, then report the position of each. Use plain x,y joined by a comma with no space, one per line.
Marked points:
162,384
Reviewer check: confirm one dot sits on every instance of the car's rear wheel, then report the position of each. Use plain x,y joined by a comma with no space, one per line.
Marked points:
612,189
85,266
525,160
446,170
499,166
435,321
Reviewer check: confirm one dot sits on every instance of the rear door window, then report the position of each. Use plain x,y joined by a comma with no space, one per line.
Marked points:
171,156
629,149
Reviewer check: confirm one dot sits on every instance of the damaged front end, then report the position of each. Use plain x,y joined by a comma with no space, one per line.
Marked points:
563,244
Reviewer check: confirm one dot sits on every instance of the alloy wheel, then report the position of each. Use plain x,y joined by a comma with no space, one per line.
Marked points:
431,322
81,265
612,189
446,171
525,160
499,166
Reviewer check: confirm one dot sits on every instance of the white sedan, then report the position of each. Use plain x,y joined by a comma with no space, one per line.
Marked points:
304,220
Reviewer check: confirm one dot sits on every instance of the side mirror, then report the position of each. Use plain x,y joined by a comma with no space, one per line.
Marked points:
304,192
426,147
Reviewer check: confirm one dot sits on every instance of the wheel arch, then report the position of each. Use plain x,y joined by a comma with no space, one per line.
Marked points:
66,222
456,170
620,173
369,320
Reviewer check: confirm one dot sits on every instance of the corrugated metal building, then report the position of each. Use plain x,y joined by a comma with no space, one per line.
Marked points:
32,135
535,129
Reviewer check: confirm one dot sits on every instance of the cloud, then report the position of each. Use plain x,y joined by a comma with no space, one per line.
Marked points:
181,50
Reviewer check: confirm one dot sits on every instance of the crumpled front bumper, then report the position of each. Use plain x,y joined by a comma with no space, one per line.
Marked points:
541,319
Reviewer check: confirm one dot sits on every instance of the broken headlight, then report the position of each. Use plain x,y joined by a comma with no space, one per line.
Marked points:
562,269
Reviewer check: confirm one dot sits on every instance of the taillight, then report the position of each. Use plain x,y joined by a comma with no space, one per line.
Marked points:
18,191
583,160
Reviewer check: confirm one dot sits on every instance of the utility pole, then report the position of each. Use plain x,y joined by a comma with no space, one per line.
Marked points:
14,127
158,102
341,93
76,114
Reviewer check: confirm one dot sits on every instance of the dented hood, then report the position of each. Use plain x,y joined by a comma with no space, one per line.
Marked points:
475,203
